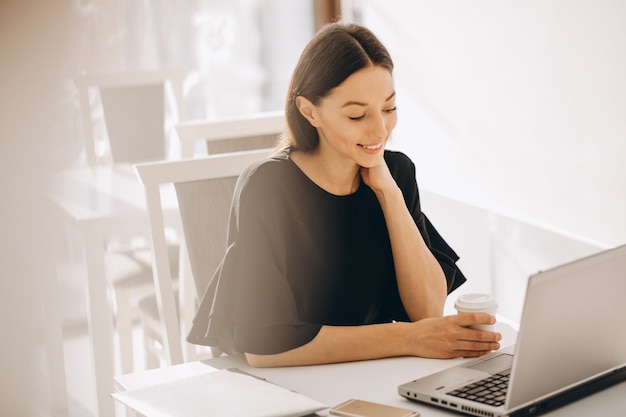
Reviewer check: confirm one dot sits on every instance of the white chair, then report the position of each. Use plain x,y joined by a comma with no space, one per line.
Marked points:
133,106
239,133
251,131
204,188
132,120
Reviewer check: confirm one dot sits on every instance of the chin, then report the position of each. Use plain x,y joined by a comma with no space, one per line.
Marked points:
372,160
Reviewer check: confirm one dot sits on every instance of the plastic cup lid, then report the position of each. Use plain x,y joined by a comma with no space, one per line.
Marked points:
475,302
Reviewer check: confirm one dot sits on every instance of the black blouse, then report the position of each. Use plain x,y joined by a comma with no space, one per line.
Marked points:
300,258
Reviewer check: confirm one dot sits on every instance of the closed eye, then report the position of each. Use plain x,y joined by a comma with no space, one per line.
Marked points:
363,116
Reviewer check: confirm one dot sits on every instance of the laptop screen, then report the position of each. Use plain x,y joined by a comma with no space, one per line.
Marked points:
569,327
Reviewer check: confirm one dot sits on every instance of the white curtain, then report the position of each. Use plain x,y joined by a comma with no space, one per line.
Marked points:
222,43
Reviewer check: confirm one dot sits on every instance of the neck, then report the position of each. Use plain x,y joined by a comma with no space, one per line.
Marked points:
333,177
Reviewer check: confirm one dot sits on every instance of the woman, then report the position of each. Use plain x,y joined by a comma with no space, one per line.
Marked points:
330,256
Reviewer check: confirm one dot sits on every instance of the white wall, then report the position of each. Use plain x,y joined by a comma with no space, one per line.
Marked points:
498,251
32,41
519,106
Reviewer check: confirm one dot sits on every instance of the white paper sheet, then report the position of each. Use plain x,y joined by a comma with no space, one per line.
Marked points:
221,393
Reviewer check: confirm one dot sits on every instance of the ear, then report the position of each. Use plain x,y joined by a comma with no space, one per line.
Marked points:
307,110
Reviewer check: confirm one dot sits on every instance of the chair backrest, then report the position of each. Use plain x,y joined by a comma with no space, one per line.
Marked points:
204,190
208,233
133,112
253,131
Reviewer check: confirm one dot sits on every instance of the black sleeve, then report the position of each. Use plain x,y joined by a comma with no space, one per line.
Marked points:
403,171
249,305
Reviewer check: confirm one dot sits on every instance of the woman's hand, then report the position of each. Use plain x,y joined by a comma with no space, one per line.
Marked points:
378,177
450,337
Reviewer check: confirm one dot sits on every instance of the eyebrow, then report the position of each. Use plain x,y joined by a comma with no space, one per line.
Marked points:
358,103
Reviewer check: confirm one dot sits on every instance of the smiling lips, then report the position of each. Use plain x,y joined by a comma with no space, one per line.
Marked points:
372,147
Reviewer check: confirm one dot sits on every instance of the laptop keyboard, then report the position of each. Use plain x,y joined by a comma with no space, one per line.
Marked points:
490,391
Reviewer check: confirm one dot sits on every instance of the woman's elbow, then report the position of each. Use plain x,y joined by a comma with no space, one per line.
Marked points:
259,361
288,358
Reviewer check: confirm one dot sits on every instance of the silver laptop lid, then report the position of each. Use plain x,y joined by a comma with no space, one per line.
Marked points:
585,301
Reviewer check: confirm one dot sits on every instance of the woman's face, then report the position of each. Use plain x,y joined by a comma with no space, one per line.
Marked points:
355,120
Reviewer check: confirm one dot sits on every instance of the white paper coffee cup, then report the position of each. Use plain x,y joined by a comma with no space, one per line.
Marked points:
477,303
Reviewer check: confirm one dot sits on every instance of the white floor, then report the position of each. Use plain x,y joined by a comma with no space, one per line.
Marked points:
76,347
79,374
80,384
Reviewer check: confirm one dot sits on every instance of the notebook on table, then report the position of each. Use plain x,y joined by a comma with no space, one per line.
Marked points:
571,343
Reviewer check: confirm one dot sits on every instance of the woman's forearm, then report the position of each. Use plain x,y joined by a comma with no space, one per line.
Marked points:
421,281
443,338
335,344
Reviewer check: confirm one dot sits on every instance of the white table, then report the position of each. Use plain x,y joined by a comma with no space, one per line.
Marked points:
108,201
375,380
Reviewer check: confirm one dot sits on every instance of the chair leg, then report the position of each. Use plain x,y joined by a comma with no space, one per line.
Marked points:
122,410
216,352
124,325
186,300
151,357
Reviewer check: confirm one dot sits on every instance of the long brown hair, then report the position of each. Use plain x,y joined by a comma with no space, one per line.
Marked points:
337,51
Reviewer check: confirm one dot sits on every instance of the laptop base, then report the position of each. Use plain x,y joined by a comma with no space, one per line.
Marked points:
574,394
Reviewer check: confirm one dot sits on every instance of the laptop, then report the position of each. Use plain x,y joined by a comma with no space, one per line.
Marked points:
571,343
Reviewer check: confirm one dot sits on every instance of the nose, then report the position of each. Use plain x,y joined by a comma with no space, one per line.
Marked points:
379,126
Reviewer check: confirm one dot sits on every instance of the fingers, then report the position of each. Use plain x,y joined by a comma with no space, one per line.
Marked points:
474,353
473,349
477,346
472,342
469,319
479,335
477,319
